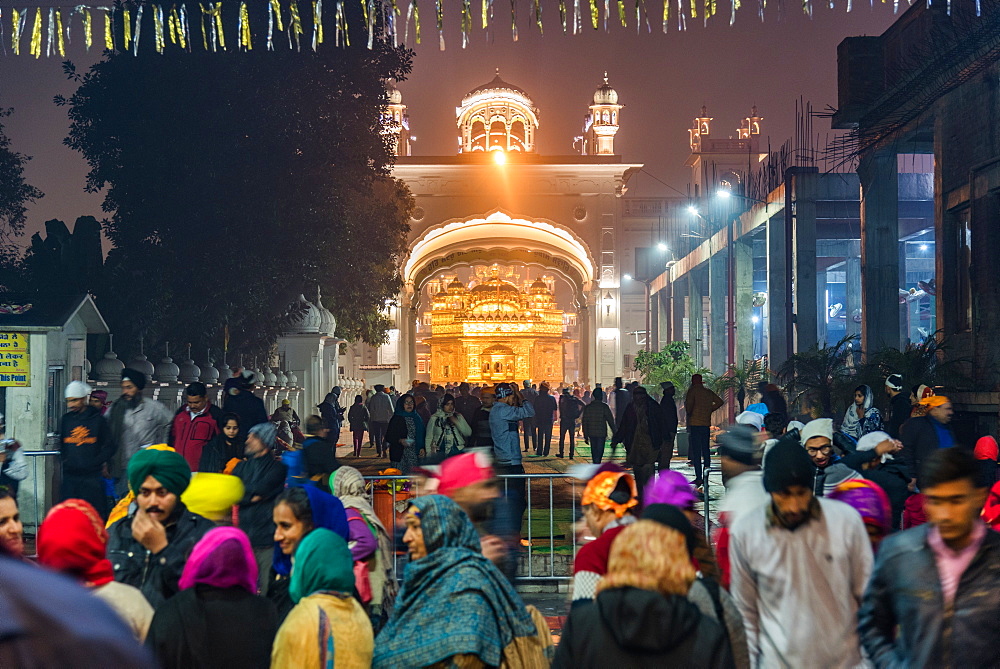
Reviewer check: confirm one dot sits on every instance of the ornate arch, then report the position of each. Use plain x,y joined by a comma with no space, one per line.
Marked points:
500,237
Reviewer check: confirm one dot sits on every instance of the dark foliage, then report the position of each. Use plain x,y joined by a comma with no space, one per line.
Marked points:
235,182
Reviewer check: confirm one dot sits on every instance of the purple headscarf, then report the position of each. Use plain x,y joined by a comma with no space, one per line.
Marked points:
669,487
222,559
868,499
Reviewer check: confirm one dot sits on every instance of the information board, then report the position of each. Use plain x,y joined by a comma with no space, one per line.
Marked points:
15,360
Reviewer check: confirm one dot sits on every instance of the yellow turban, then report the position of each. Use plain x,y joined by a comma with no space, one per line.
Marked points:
213,495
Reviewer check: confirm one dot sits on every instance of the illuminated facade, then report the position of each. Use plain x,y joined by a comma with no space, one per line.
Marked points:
497,201
494,330
496,117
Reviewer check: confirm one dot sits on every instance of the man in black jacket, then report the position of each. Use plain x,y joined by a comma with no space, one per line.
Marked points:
669,406
319,454
263,480
923,435
86,446
569,410
641,431
935,588
899,405
149,547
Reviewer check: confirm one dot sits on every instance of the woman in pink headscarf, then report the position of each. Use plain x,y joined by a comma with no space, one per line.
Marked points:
217,619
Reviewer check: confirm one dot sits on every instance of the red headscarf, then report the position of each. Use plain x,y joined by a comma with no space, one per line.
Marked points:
986,449
991,510
72,539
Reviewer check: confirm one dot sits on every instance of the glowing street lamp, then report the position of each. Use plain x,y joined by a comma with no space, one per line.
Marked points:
500,157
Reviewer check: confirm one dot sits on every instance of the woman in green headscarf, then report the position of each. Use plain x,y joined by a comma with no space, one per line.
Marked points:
348,485
327,627
456,608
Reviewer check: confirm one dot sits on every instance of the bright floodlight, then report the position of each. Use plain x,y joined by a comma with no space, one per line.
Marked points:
723,193
627,277
661,246
923,247
693,210
500,157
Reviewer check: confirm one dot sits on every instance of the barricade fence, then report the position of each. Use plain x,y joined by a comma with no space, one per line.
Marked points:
548,506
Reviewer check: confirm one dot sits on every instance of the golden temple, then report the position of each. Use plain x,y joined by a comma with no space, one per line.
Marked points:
493,330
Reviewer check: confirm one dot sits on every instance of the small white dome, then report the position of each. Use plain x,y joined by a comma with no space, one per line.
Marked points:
327,323
140,364
310,320
189,372
166,371
605,95
395,97
109,368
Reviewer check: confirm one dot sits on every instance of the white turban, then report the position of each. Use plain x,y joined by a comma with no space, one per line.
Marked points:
869,441
77,389
751,418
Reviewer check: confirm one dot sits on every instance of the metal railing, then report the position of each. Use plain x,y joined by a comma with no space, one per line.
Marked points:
37,505
550,560
545,554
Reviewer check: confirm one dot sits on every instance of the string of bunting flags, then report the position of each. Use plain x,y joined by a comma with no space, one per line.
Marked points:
36,30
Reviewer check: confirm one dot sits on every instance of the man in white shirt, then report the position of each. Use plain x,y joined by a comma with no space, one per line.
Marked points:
799,568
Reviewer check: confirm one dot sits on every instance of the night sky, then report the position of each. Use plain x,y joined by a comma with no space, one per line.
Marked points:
662,80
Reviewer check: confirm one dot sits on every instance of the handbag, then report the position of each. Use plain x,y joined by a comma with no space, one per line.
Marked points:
362,581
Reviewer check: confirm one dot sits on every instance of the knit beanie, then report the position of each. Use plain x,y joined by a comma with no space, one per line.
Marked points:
786,465
738,444
821,427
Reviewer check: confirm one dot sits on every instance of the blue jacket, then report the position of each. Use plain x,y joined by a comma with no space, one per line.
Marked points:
503,425
905,590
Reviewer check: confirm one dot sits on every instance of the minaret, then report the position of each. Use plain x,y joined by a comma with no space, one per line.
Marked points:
602,123
702,128
395,122
751,124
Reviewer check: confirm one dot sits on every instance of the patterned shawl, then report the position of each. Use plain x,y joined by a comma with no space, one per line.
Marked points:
453,601
348,485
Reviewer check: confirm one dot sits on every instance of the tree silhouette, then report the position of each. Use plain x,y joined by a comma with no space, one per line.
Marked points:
235,182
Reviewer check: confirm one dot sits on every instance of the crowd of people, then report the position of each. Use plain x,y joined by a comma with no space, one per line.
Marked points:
870,543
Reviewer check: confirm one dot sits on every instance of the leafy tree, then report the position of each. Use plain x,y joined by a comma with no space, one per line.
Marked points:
926,362
15,196
237,181
15,193
672,363
821,377
741,380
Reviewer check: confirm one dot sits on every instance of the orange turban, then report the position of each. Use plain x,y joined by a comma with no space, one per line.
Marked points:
599,489
934,401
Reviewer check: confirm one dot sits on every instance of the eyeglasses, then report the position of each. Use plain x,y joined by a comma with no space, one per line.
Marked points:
822,449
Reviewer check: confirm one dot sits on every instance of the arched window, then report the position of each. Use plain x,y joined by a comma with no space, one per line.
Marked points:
605,116
477,136
498,135
518,136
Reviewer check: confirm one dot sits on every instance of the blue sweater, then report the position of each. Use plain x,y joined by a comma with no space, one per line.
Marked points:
503,426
